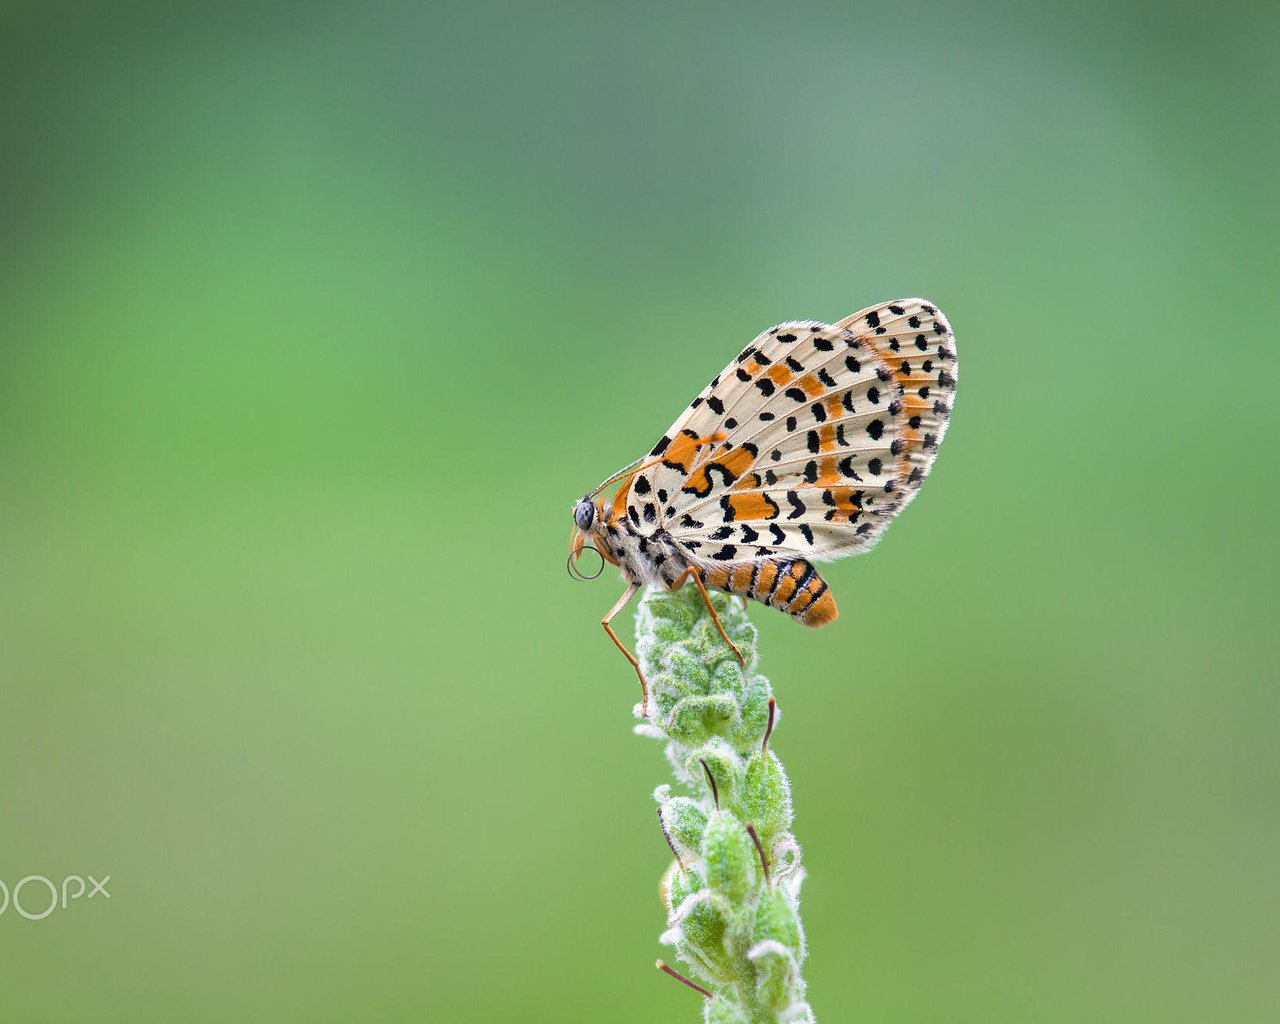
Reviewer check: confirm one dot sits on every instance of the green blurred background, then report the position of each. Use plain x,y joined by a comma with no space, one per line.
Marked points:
315,319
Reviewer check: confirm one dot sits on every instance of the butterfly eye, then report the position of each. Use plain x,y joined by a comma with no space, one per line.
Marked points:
584,515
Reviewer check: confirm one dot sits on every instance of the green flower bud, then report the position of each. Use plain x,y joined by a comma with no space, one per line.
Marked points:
717,760
684,820
680,885
776,921
766,796
776,950
776,974
753,713
695,720
700,931
729,857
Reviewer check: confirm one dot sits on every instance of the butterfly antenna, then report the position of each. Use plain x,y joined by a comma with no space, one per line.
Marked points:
630,470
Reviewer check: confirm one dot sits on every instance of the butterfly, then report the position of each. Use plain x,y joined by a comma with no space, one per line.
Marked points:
802,450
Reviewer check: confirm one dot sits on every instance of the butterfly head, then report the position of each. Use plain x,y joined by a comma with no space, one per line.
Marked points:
589,518
584,513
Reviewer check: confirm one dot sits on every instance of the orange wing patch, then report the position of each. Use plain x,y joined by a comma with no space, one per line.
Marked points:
727,465
811,386
779,374
681,453
751,507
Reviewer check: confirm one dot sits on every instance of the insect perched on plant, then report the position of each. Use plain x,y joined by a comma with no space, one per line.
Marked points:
801,450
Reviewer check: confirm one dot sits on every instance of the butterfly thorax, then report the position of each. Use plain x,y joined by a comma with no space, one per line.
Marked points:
646,559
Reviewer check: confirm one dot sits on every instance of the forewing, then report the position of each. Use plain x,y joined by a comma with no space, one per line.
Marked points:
809,442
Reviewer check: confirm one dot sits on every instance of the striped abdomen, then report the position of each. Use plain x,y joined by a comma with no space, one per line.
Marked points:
791,585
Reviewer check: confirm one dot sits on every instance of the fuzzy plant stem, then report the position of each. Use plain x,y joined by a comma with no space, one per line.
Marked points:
733,889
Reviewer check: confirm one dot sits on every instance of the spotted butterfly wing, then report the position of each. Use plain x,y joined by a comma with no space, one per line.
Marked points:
804,447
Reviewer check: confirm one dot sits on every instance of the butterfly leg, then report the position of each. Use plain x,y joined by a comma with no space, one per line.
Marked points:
689,572
622,603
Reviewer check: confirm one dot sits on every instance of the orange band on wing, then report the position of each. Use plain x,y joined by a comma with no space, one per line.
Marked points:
779,374
811,385
754,506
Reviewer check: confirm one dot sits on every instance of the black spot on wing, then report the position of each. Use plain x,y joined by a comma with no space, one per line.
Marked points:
845,466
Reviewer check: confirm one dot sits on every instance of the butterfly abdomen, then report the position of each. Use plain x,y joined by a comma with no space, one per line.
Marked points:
793,586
